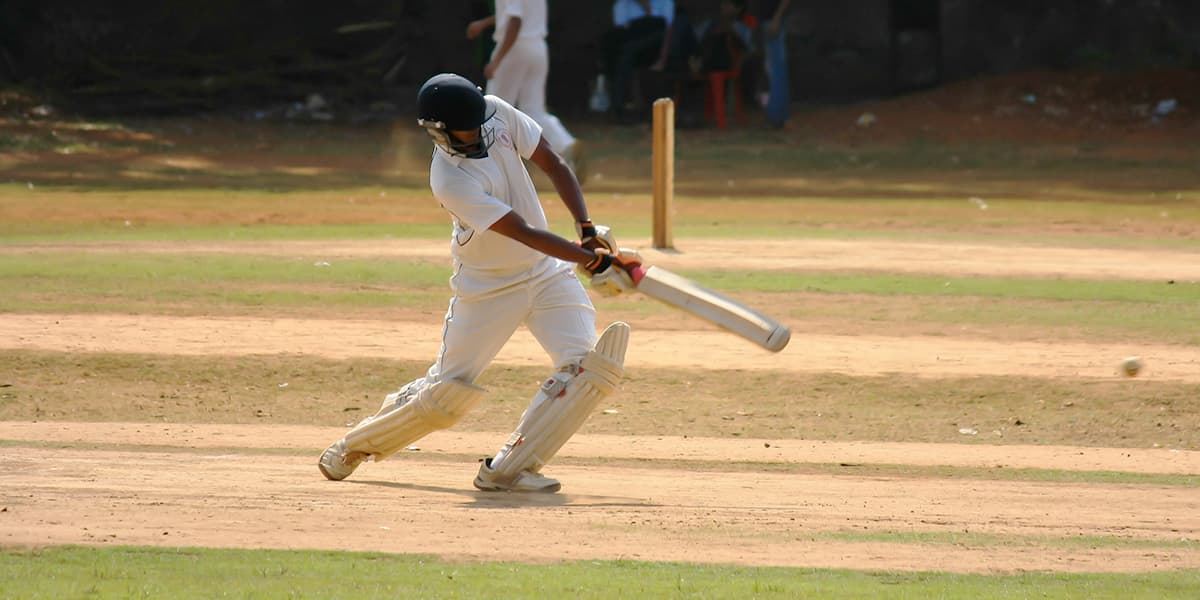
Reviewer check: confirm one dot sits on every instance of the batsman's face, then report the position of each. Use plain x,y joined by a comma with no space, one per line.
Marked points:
466,136
470,142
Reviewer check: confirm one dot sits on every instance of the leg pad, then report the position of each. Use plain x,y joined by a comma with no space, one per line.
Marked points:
560,410
412,417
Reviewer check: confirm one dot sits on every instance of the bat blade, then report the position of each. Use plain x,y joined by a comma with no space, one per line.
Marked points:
687,295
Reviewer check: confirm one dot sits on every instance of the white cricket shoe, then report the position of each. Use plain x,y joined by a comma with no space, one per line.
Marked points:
526,481
335,465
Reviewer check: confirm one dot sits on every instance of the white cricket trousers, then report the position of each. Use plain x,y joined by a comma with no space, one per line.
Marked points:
553,305
521,81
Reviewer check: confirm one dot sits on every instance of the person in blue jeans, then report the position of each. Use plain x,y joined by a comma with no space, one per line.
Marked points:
771,15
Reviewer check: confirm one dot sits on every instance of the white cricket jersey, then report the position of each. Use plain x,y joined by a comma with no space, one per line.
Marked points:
532,14
477,192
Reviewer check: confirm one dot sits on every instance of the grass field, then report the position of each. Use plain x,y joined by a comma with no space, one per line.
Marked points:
194,308
138,572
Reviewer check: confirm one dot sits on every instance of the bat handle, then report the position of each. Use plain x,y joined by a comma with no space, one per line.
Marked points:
637,273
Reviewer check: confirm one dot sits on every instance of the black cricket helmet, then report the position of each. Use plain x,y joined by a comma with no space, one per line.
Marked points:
449,102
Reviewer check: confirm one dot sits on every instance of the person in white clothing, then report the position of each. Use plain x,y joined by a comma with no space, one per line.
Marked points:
519,66
509,270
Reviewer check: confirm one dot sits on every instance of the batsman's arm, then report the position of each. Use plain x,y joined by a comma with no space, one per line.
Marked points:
513,226
564,180
567,186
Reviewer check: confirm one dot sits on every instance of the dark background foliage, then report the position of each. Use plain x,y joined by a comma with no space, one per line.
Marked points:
179,56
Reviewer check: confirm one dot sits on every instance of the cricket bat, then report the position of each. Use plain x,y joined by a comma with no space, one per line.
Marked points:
725,312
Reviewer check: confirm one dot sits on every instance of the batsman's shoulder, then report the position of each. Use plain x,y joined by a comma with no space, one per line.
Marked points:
500,108
498,103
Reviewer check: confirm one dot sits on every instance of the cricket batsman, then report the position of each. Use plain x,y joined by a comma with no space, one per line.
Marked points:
509,270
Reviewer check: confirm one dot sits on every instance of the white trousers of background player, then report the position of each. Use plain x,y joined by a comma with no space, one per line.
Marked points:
552,305
521,80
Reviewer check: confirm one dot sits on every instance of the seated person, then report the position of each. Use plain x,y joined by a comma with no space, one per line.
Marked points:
725,40
640,38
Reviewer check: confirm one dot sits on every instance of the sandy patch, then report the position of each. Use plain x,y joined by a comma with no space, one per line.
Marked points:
926,356
178,492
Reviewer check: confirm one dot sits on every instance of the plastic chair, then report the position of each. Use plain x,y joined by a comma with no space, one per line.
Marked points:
714,100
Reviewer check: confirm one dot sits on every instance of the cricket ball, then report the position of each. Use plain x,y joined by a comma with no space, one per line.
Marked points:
1131,366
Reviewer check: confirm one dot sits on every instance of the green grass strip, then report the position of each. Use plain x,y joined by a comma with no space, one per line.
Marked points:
131,572
83,270
95,270
952,286
222,284
33,233
769,227
177,283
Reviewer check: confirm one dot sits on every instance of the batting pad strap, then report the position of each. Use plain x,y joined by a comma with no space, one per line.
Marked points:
438,406
601,372
551,421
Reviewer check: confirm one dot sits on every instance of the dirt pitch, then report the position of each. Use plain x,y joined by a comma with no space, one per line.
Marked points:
680,498
969,507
